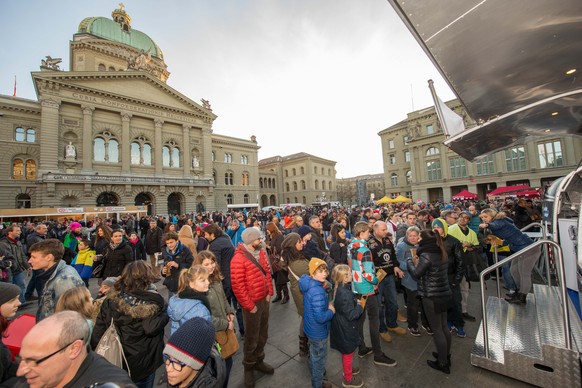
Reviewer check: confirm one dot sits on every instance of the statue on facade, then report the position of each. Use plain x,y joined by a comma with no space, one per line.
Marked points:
141,61
51,63
195,161
70,151
205,104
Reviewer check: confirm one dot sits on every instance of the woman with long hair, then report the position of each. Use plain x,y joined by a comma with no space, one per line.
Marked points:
297,265
9,303
77,299
338,250
430,266
503,227
139,315
278,265
101,238
186,237
220,310
116,255
192,297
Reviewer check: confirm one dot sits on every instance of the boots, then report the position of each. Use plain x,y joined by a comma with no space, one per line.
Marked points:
278,291
249,377
285,294
436,355
303,346
438,366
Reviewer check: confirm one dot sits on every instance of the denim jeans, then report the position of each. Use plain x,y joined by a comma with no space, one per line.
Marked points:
18,279
317,358
387,289
146,382
507,278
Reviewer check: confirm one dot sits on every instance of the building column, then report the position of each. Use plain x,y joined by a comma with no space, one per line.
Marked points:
207,153
125,143
49,136
87,138
186,153
158,147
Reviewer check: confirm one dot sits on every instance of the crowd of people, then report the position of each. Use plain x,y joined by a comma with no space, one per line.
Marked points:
222,272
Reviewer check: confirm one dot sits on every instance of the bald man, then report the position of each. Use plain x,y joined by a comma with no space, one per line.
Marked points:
54,354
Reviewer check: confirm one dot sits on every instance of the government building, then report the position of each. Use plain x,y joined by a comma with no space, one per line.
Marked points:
111,132
418,165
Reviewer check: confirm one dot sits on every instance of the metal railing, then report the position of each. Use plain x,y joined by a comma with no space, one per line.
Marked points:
544,236
562,286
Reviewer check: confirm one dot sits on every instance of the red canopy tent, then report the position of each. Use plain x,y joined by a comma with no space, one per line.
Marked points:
465,194
514,191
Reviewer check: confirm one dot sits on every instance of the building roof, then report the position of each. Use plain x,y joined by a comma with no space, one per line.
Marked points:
299,155
119,30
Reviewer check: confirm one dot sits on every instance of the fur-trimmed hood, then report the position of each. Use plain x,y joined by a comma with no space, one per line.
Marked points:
138,304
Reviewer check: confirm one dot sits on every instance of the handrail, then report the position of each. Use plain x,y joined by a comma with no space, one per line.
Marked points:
561,274
546,253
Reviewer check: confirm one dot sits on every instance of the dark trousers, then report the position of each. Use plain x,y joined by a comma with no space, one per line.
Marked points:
237,311
33,285
438,324
256,333
372,309
413,307
455,313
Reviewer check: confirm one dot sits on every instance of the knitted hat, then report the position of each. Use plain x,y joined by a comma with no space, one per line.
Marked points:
74,225
8,291
192,342
314,264
439,222
304,231
109,282
290,240
250,234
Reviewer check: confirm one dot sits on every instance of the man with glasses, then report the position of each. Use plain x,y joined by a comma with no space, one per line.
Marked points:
54,353
253,288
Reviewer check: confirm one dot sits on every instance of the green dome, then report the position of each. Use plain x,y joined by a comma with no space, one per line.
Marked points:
113,31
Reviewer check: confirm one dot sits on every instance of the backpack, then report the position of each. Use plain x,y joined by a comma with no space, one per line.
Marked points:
110,348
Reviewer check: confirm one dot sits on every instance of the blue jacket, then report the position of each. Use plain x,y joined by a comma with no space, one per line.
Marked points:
181,310
402,254
505,229
316,313
236,235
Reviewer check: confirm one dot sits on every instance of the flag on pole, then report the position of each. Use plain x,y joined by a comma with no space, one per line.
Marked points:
452,123
14,95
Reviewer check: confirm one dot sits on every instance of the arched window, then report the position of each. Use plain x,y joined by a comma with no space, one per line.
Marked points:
245,178
166,156
18,169
106,148
287,187
394,179
19,134
175,157
286,173
316,184
30,135
244,159
141,152
294,172
329,171
111,68
302,170
304,199
315,170
23,201
329,186
228,178
432,151
260,183
274,183
171,154
212,156
229,199
303,185
323,185
246,198
101,67
30,169
227,157
294,186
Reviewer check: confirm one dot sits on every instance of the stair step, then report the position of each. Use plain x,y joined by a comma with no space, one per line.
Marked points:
496,320
522,334
549,315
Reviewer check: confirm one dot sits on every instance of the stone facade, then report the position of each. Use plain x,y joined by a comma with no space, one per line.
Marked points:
360,190
111,132
418,165
297,178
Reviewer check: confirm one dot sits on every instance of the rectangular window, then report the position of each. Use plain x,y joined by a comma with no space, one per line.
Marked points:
391,144
429,129
550,154
433,169
407,156
392,159
405,138
485,166
515,159
458,167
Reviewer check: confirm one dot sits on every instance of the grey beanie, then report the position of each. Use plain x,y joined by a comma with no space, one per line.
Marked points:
250,234
8,291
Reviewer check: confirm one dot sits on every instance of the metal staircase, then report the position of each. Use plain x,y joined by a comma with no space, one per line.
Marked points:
539,343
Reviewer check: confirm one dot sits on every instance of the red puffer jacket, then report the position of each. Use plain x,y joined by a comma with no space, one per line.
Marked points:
248,282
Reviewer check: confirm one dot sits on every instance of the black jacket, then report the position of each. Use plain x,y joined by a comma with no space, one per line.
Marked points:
224,251
383,254
432,276
140,318
455,257
153,240
183,257
338,253
116,259
96,369
344,335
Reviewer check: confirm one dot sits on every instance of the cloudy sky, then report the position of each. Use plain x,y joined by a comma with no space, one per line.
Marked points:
316,76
